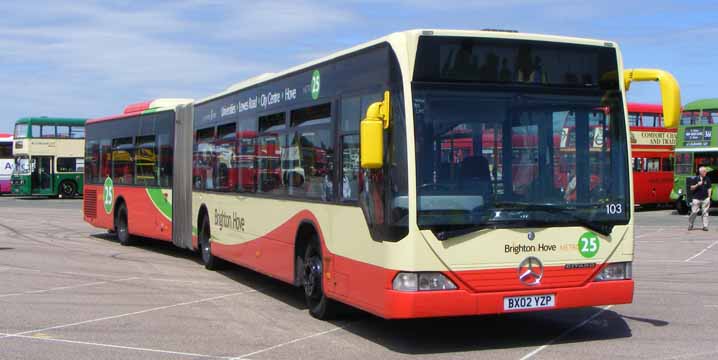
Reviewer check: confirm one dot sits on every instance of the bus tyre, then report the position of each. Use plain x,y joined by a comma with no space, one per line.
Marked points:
320,306
210,261
67,189
121,226
681,206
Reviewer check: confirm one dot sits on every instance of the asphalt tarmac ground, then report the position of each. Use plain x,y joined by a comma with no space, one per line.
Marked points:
70,291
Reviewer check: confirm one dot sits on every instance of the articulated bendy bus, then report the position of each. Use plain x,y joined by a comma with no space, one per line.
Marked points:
6,162
129,167
48,157
347,189
696,146
651,154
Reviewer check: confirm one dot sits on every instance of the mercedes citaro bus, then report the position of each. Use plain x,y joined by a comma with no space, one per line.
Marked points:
426,173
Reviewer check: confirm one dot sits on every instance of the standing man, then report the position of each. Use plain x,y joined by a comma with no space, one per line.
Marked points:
701,198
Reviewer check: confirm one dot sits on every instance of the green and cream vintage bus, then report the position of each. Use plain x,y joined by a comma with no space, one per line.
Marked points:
49,156
695,147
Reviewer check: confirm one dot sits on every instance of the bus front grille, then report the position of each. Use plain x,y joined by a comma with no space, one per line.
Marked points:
90,203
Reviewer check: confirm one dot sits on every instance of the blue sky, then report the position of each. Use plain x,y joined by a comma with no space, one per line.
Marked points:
90,59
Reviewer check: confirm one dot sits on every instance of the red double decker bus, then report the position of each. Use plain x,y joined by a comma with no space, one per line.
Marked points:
652,148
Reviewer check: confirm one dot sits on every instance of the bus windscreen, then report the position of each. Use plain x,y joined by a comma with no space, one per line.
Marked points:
540,150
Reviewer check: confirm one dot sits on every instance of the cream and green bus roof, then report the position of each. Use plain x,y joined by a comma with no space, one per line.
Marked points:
702,104
44,120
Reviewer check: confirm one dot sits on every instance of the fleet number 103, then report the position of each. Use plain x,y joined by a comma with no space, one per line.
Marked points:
613,209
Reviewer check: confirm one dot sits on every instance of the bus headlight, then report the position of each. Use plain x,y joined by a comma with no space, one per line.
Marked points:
680,191
425,281
615,271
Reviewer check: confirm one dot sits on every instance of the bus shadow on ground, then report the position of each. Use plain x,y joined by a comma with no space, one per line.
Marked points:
491,332
433,336
269,286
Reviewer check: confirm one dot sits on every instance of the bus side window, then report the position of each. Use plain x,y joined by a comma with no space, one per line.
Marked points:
202,160
271,153
165,148
123,162
66,165
311,173
63,131
146,160
105,159
92,158
247,155
353,110
47,131
637,164
35,131
653,165
77,132
225,146
349,129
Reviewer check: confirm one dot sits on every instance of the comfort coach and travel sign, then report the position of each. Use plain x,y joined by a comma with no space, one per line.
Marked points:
653,138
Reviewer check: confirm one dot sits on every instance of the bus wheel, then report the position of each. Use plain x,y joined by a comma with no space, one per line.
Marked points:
210,261
67,189
121,227
320,306
681,206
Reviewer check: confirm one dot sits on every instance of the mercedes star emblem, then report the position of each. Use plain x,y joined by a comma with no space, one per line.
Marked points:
530,271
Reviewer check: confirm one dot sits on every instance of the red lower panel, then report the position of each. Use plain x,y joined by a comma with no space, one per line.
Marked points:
143,217
368,287
273,253
462,303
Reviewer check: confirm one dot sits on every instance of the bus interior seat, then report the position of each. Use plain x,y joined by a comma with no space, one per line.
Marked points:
475,173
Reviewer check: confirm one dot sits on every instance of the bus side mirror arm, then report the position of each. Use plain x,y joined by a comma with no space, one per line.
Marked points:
670,91
371,133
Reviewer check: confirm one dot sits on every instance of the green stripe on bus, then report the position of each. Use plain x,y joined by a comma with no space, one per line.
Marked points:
158,199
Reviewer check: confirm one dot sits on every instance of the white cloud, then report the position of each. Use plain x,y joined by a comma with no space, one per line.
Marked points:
61,55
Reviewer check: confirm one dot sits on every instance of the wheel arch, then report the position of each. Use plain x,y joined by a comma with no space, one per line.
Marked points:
200,214
307,230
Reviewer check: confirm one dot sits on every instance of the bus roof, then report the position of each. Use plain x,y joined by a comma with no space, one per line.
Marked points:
702,104
405,36
144,107
646,108
44,120
5,137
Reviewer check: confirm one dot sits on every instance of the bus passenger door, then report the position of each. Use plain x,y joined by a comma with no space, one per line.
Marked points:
42,175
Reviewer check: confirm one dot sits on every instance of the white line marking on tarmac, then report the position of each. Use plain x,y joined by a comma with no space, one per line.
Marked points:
245,356
133,313
576,327
702,251
117,346
649,233
67,287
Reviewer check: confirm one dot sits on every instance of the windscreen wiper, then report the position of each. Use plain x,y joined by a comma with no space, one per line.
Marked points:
601,228
447,234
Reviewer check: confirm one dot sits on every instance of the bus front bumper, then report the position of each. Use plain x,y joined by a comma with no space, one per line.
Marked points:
402,305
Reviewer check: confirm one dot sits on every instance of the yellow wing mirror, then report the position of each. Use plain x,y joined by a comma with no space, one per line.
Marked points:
670,91
371,133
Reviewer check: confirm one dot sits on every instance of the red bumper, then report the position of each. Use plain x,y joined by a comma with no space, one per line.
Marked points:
400,305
